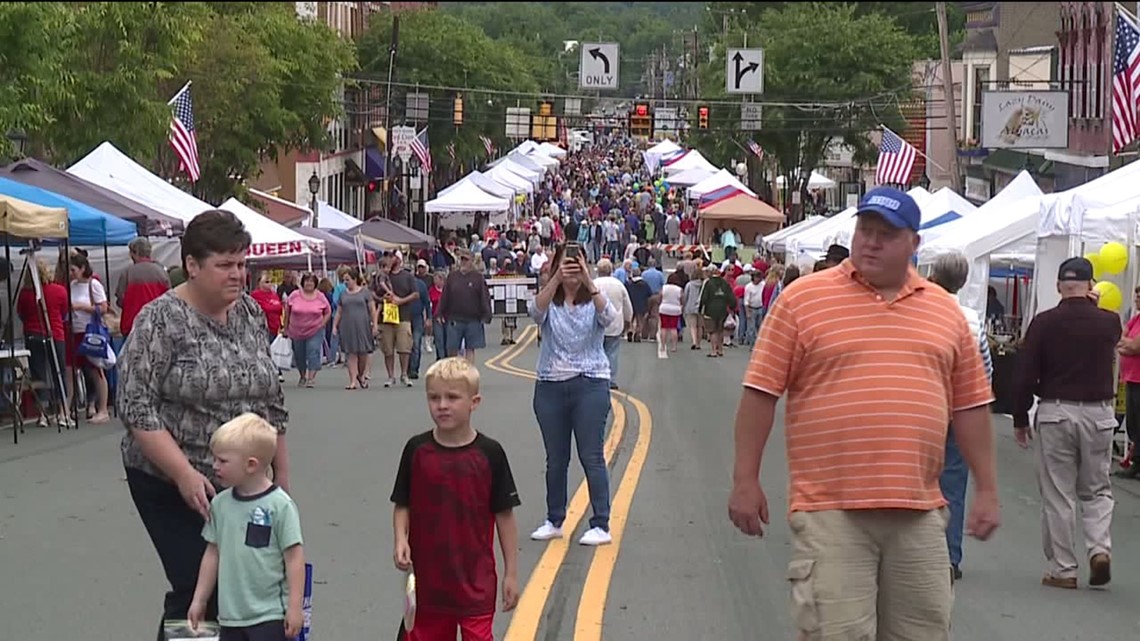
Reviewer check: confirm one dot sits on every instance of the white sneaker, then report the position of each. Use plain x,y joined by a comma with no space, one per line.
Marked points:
596,536
390,382
546,532
405,381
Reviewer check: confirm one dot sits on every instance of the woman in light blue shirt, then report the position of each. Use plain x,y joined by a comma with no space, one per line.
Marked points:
572,393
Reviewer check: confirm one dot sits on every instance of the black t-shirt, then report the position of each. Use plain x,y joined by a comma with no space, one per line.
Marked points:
452,495
403,283
284,290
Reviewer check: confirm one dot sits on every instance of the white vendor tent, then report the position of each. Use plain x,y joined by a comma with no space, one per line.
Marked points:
510,164
1081,219
334,219
531,163
939,208
691,177
111,169
466,197
1021,187
482,182
688,160
815,181
655,154
271,239
719,180
813,240
554,151
775,241
545,162
500,174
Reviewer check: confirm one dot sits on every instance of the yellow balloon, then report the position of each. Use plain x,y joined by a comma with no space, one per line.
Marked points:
1094,259
1113,258
1111,297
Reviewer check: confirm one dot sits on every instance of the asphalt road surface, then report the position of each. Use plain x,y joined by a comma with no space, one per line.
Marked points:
76,563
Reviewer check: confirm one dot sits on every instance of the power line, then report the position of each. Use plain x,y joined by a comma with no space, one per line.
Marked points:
541,96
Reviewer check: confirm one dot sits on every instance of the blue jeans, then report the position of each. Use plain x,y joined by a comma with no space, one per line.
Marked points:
611,345
439,335
955,477
578,407
417,345
754,321
467,334
307,353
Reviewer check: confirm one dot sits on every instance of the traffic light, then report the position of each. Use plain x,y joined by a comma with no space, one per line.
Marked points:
703,117
457,112
641,121
373,186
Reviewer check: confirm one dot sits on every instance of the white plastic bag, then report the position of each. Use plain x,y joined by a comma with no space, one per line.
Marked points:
105,363
282,352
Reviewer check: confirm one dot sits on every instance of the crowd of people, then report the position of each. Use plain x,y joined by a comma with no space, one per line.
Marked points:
886,417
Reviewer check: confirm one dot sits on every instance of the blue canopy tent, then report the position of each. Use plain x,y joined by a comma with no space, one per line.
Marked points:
87,225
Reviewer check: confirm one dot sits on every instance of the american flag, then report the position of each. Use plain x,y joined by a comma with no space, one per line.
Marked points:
756,149
896,160
182,136
1125,83
488,145
422,150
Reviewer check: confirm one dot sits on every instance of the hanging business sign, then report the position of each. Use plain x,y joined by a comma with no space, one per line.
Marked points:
1025,119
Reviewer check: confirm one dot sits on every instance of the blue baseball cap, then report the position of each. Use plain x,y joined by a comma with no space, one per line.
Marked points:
896,207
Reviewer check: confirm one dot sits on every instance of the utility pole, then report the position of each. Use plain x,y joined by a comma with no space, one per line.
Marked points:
386,199
948,91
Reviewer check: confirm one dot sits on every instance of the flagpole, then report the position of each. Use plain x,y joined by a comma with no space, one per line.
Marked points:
180,92
916,150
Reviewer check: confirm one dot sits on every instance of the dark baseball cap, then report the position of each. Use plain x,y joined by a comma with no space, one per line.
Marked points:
896,207
837,253
1075,269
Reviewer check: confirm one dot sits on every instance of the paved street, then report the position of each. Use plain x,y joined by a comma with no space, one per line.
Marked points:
77,564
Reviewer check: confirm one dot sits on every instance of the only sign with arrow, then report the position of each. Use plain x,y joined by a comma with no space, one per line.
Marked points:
598,66
744,71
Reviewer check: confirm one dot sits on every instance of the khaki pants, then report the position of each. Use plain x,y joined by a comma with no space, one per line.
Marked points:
870,575
1074,456
653,319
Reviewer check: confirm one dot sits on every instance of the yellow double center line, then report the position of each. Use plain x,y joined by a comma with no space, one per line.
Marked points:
592,604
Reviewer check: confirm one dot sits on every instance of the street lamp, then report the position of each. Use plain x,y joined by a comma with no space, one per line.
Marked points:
314,187
19,141
415,165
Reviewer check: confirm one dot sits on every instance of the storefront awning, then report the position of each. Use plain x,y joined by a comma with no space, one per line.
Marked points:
1012,162
373,163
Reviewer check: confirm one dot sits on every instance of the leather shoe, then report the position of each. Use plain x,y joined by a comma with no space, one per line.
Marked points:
1059,582
1100,569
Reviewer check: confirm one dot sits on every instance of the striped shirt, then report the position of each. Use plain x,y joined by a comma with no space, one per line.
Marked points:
871,385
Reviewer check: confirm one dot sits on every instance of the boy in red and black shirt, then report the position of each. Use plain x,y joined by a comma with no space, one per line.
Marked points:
454,488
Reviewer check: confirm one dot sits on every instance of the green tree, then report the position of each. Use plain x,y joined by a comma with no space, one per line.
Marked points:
117,58
829,74
915,18
32,69
82,73
443,50
266,84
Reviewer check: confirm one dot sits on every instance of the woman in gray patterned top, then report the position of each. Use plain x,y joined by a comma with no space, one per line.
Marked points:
197,357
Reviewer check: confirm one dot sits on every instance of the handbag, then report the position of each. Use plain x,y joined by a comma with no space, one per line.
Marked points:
96,341
391,314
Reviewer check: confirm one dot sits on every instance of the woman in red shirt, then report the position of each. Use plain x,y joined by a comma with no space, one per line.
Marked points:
438,325
45,365
266,296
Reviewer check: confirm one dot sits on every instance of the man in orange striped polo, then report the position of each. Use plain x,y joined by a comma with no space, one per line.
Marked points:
876,363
